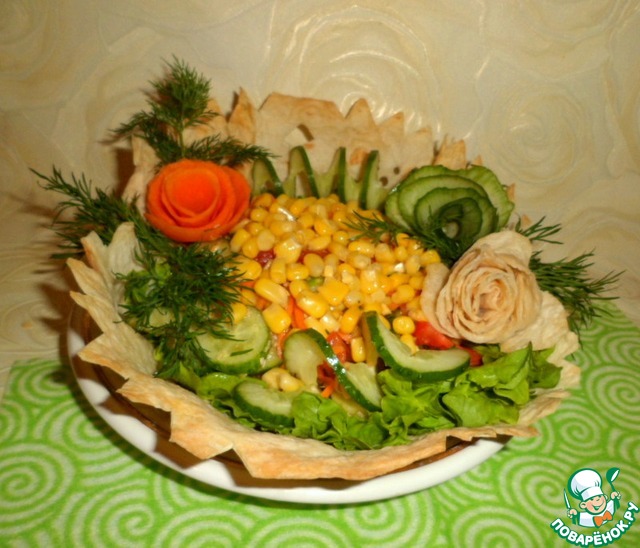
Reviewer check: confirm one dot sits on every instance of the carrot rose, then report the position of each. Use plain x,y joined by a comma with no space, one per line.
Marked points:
195,201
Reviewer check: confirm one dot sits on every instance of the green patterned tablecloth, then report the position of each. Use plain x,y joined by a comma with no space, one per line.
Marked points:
67,480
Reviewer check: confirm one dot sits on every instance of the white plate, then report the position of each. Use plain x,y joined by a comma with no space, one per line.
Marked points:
231,476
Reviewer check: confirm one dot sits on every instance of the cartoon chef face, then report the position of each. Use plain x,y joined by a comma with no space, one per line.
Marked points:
595,505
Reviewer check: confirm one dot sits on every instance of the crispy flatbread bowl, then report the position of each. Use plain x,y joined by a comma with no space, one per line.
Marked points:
194,424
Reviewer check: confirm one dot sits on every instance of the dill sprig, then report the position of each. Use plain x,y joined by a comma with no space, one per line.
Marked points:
180,292
379,228
568,279
93,210
181,101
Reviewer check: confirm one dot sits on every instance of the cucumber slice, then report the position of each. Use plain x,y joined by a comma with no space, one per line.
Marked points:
424,365
271,358
427,171
269,407
373,192
360,384
410,194
461,212
392,210
265,178
301,179
244,352
328,182
364,388
348,188
302,356
496,192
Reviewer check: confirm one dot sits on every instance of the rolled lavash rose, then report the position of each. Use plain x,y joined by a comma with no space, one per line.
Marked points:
489,295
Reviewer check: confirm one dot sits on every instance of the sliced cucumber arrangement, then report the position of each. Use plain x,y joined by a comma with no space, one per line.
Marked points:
357,379
302,180
463,205
267,406
424,365
247,349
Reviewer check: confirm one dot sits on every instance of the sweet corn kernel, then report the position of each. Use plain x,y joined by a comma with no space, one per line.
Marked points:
330,322
384,253
314,263
429,257
305,235
369,281
319,243
248,297
258,214
272,377
364,247
265,240
417,282
248,268
238,311
403,240
412,265
350,319
312,303
306,220
401,253
250,248
358,353
284,200
358,260
278,270
324,227
288,249
316,324
403,325
410,342
414,311
271,291
276,318
298,286
298,206
341,237
334,291
254,228
263,200
397,279
353,298
297,271
288,383
403,294
319,209
238,239
339,250
280,228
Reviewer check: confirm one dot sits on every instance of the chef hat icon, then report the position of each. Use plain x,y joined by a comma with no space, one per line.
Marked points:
585,483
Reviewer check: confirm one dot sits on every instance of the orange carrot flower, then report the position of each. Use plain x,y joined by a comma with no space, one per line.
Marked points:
196,201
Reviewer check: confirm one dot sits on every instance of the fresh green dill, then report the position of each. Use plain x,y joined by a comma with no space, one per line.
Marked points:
379,228
568,279
376,227
94,210
181,101
180,292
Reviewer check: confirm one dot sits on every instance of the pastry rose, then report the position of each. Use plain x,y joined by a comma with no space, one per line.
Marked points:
489,295
194,200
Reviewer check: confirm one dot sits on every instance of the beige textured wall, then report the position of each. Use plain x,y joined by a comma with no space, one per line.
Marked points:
548,93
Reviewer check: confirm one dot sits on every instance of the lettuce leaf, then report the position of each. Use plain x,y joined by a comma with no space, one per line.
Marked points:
489,394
